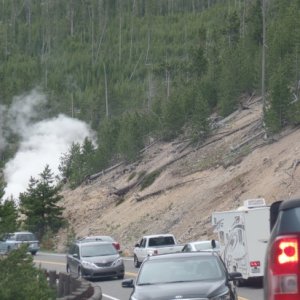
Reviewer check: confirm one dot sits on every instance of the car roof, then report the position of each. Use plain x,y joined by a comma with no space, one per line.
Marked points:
96,237
289,204
182,254
158,235
202,242
87,242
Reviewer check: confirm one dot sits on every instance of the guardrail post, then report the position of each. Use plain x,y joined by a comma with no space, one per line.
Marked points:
60,292
52,279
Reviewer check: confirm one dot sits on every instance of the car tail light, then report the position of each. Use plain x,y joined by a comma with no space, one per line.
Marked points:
116,245
283,276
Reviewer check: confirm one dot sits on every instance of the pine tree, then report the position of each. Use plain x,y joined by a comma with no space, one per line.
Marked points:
8,216
40,206
8,212
20,279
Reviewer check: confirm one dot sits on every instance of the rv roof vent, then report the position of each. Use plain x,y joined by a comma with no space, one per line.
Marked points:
251,203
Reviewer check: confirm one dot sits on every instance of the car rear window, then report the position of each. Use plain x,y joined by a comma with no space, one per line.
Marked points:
92,250
177,269
161,241
290,221
25,237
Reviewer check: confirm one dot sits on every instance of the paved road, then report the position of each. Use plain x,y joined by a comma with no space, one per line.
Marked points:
112,289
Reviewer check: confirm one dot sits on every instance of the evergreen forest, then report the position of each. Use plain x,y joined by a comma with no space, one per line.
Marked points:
138,70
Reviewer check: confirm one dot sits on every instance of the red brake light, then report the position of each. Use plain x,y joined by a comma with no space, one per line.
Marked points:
283,279
116,245
254,264
289,252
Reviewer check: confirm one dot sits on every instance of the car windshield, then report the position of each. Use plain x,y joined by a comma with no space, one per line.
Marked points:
180,270
91,250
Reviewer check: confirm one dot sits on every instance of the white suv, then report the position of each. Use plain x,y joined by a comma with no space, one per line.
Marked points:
14,240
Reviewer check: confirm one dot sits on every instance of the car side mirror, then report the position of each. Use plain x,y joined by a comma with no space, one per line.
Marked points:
274,211
75,255
213,244
235,276
137,245
128,283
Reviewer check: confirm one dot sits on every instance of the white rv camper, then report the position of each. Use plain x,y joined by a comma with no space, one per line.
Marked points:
243,236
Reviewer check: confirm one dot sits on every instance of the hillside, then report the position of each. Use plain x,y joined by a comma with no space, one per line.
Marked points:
236,163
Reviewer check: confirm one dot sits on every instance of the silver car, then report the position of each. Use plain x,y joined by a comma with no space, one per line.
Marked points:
208,245
94,260
16,239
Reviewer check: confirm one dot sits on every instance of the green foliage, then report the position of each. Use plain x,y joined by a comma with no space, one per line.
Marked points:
8,212
149,179
146,69
8,216
277,116
40,205
172,117
20,279
79,162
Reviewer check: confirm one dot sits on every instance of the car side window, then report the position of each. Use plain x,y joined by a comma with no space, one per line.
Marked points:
11,237
71,249
76,250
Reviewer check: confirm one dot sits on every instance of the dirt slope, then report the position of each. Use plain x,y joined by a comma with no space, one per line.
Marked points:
236,163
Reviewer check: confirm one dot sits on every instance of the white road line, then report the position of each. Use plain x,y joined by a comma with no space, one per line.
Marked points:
109,297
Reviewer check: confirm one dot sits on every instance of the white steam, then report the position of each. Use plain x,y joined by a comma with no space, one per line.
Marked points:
42,142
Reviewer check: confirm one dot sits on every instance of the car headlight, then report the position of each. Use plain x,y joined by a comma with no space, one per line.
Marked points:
223,296
88,265
118,261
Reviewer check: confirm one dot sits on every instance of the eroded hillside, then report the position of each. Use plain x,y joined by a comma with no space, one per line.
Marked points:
236,163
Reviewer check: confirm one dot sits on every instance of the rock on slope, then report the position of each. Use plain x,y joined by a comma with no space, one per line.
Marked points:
236,163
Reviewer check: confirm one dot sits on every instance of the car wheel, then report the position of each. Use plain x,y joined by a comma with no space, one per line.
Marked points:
121,276
136,262
33,252
68,269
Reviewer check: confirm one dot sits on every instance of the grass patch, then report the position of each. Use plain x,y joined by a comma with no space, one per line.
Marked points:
131,176
149,179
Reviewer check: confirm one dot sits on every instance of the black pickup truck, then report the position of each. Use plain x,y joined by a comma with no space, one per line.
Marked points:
282,267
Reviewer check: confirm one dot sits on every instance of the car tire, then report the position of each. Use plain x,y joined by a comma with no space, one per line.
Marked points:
121,276
33,252
68,269
136,262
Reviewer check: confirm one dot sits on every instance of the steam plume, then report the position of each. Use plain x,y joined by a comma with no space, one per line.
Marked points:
42,142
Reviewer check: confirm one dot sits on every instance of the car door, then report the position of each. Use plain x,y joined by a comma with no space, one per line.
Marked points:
142,250
73,257
139,251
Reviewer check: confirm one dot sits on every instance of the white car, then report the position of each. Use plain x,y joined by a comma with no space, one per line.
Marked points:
209,245
16,239
154,245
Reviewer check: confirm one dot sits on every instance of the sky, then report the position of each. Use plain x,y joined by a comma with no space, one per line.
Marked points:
41,142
